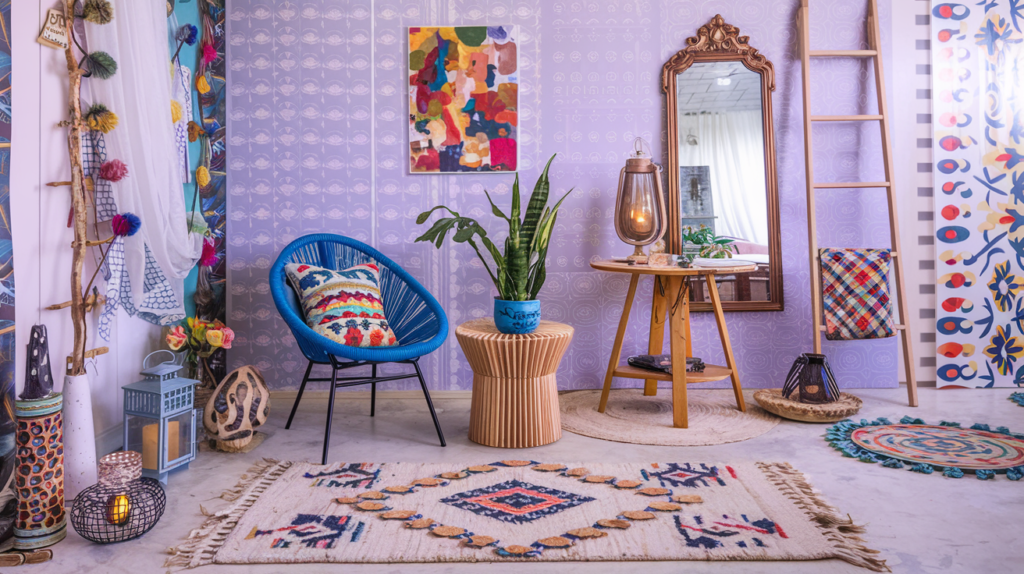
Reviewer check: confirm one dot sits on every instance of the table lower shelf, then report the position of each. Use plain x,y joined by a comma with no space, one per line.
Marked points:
711,373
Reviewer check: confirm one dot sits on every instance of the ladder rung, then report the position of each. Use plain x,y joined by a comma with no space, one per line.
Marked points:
895,327
858,118
852,184
843,53
818,255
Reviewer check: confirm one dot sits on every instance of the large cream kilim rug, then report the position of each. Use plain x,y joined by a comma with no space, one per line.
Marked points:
297,512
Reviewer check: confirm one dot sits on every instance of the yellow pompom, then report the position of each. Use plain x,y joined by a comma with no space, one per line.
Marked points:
202,86
99,118
202,176
176,112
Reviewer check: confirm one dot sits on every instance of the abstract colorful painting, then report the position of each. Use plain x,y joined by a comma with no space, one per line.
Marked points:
8,498
463,99
978,115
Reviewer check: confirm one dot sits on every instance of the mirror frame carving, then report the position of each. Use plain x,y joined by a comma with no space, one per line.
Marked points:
718,41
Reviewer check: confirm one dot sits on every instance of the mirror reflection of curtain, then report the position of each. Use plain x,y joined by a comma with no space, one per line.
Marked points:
732,143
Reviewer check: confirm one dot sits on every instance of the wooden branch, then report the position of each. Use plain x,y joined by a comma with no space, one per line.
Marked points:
6,329
76,362
89,185
95,243
90,354
91,302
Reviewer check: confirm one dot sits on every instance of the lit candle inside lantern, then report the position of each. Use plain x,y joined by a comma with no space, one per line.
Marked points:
118,509
641,219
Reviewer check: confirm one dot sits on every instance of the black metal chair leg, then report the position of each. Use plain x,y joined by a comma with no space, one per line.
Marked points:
330,409
430,404
373,391
298,397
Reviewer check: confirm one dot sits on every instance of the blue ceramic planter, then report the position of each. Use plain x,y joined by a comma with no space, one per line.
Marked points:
516,317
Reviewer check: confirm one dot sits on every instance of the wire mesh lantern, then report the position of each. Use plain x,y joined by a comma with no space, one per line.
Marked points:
640,205
159,420
122,506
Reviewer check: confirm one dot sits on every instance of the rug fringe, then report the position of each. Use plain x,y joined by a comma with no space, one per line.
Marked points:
203,542
841,532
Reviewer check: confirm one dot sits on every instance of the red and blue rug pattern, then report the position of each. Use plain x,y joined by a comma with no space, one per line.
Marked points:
925,448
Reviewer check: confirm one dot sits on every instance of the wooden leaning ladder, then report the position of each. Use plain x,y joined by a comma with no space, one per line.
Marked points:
875,53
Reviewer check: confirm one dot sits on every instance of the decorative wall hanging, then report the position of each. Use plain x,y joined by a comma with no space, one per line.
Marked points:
210,296
40,473
122,505
237,408
925,448
80,447
512,510
463,99
159,420
979,199
8,344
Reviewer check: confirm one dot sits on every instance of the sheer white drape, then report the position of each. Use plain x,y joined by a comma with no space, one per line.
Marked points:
140,94
732,144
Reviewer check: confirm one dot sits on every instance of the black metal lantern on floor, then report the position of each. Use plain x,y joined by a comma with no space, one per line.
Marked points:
122,506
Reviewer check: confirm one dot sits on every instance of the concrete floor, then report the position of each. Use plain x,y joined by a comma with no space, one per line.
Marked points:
919,523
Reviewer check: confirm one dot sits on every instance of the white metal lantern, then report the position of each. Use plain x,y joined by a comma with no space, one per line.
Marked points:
159,419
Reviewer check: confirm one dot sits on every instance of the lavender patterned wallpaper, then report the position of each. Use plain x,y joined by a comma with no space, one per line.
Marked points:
317,143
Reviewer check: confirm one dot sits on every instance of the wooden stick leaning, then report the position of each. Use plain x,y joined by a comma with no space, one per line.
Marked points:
78,202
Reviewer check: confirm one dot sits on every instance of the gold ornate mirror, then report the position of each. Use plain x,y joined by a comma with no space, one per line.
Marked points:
721,164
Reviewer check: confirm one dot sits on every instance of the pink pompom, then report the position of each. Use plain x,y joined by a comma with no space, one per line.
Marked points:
209,53
114,170
209,256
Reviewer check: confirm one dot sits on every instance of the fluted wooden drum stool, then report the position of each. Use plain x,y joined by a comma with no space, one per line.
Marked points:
515,394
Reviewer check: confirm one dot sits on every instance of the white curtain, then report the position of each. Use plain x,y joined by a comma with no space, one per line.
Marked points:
732,144
140,94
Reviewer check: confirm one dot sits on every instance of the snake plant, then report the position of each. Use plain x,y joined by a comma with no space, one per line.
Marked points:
520,272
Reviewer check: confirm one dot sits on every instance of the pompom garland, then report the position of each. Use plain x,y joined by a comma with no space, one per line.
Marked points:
125,224
209,256
202,85
202,176
98,11
209,54
194,131
101,64
176,111
114,170
100,119
188,34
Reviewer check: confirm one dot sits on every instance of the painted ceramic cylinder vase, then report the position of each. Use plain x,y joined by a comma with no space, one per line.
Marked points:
79,436
39,475
516,317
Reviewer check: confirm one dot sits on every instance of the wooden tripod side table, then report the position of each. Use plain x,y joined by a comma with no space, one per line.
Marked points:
671,298
515,394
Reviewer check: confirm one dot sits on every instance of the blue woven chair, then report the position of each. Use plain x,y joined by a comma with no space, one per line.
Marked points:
415,317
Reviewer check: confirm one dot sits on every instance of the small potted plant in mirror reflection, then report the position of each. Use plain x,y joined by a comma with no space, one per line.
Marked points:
519,273
702,242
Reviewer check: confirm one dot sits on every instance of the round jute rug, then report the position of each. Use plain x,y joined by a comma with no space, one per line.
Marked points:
633,418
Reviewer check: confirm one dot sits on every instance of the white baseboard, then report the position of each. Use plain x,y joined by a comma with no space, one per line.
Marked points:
110,440
289,396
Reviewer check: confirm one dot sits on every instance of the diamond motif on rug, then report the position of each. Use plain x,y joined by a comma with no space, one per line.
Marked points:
687,475
515,502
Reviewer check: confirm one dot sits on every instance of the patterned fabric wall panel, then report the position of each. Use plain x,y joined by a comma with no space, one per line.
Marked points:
979,199
318,142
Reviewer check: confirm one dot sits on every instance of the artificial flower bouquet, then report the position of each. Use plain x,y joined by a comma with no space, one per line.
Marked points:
199,339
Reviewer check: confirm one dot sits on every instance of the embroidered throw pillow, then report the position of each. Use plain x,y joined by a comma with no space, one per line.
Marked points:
344,306
855,298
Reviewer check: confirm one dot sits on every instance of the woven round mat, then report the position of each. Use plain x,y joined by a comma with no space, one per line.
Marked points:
772,401
633,418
